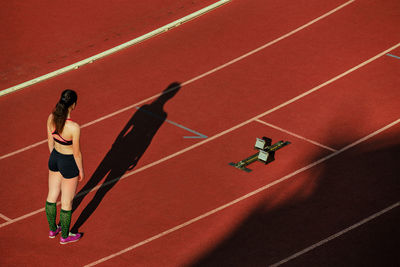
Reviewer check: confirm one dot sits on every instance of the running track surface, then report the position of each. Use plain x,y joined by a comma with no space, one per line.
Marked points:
330,198
40,37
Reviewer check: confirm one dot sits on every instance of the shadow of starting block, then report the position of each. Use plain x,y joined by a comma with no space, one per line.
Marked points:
265,154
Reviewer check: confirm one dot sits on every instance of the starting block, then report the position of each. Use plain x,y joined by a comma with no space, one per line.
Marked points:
265,154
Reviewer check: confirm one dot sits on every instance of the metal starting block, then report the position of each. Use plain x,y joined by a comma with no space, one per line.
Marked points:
265,154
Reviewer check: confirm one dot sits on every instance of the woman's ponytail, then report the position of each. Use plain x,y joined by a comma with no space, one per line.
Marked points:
60,112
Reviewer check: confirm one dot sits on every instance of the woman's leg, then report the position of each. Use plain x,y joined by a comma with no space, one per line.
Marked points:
55,179
68,189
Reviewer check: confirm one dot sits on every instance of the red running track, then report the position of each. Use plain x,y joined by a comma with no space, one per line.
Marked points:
260,229
40,37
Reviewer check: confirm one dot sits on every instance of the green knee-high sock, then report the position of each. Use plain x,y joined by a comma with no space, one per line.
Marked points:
65,220
51,213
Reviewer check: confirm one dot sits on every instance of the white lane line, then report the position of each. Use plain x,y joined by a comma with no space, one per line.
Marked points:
108,52
234,127
191,80
25,216
301,252
296,135
22,149
270,43
22,217
242,197
5,217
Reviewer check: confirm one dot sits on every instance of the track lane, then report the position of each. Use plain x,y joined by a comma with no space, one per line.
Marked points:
212,176
374,240
111,134
352,106
292,215
133,74
189,100
168,193
61,34
168,139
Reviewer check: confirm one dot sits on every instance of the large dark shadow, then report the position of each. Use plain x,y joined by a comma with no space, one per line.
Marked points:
125,152
346,188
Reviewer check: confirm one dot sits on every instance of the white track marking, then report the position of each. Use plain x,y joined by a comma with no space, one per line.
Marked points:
5,217
296,135
242,197
25,216
395,205
193,79
22,149
232,128
269,44
22,217
116,48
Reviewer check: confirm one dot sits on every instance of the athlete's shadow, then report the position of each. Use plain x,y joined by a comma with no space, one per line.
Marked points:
125,153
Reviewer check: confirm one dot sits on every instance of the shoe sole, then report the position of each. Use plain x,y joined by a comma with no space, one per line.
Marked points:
53,236
63,243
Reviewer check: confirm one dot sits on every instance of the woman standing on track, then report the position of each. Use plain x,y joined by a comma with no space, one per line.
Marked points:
65,165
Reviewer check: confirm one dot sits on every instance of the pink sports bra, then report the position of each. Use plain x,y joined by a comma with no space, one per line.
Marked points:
62,141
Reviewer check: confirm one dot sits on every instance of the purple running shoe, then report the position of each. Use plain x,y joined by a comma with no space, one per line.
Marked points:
71,238
53,234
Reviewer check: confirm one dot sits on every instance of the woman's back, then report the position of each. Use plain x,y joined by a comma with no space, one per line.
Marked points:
64,140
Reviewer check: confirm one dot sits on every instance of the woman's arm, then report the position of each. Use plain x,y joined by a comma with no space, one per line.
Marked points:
50,139
77,150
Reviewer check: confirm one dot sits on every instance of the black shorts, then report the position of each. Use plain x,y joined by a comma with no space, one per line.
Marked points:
65,164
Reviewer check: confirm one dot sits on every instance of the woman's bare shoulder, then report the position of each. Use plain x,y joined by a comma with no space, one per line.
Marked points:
73,126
